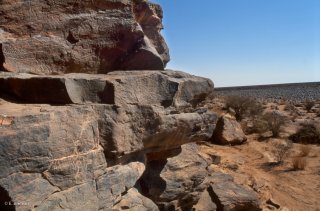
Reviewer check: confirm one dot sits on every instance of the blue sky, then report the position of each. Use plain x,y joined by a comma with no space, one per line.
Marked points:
244,42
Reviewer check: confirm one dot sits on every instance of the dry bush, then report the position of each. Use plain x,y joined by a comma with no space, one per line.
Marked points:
274,122
282,102
243,106
259,125
304,150
211,96
289,107
309,133
270,121
281,150
299,163
292,109
309,105
273,107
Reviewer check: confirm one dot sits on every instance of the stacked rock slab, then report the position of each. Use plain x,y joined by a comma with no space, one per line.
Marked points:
80,141
72,138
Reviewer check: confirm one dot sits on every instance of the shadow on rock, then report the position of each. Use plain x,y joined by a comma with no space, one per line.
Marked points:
152,185
4,200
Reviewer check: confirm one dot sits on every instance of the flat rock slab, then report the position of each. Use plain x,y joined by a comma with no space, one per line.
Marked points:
164,88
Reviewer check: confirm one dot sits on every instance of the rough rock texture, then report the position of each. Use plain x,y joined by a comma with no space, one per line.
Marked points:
228,131
175,183
205,203
86,149
229,196
129,116
181,180
70,140
88,36
134,201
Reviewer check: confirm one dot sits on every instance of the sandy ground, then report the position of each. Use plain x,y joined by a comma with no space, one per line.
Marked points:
250,164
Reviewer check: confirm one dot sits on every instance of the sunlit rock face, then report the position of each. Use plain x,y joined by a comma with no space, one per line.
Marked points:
72,138
81,141
64,36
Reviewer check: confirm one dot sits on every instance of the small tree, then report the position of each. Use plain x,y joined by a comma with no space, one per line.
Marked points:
243,106
280,150
274,122
309,105
309,133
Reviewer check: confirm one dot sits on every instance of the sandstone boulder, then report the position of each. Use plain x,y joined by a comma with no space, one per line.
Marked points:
228,131
86,149
64,36
177,181
229,196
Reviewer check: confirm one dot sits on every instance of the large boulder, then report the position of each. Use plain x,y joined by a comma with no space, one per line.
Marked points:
79,141
228,131
229,196
64,36
175,182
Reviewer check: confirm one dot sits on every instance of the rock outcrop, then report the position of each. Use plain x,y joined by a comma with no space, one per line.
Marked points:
73,139
177,181
83,141
64,36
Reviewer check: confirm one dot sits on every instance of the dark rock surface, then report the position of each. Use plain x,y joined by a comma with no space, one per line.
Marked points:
64,36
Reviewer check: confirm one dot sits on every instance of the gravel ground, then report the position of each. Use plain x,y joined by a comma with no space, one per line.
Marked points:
291,92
